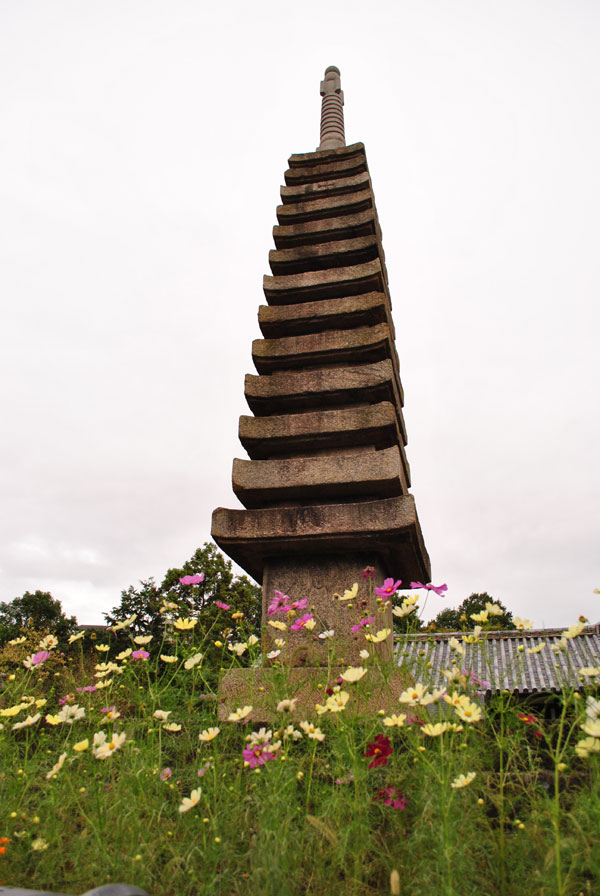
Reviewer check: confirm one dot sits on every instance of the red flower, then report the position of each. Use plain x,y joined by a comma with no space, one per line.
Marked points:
380,749
528,719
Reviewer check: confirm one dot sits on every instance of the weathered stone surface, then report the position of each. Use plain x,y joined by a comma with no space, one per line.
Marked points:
323,580
338,227
327,166
387,528
365,344
326,387
317,431
264,688
320,189
371,474
367,309
341,253
298,212
314,285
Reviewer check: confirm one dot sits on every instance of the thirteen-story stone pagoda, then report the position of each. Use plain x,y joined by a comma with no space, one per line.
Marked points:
326,486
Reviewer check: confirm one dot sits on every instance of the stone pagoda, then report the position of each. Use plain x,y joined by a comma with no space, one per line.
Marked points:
326,486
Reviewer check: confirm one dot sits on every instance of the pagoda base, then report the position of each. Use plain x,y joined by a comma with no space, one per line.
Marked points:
263,689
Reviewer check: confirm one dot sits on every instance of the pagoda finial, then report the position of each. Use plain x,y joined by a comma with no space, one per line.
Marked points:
332,112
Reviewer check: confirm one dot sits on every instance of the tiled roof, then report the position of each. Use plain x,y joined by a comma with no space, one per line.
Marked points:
502,660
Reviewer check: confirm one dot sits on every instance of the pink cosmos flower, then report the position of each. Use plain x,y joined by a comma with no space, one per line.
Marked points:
222,606
87,689
439,589
68,698
366,620
192,580
389,796
165,774
40,657
279,602
140,655
258,755
368,572
301,622
388,588
108,709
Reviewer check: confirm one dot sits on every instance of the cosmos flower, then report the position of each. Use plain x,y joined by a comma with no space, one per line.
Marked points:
193,799
438,589
388,588
380,749
239,714
36,659
192,580
208,734
463,780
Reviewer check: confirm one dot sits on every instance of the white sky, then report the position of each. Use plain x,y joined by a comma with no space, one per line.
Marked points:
142,145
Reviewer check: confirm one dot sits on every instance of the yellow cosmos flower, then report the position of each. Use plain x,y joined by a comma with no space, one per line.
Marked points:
166,658
280,626
125,654
142,639
469,712
480,617
239,714
81,745
379,636
103,648
190,801
538,648
172,726
208,734
395,721
54,719
337,702
435,730
55,769
193,660
573,630
13,710
354,673
312,732
349,593
522,624
463,780
16,641
185,625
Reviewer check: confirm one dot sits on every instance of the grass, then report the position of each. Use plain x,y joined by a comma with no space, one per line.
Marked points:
369,809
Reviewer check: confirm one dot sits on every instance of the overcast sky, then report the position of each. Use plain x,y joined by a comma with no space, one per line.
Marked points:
142,146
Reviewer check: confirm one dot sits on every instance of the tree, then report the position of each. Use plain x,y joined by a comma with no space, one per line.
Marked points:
199,600
40,611
450,620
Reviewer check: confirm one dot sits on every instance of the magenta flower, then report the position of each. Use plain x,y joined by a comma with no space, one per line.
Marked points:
108,709
389,796
279,603
192,580
366,620
301,622
439,589
140,655
165,774
388,588
222,606
258,754
40,657
87,689
368,572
